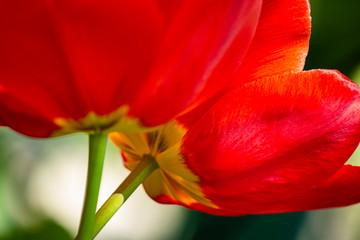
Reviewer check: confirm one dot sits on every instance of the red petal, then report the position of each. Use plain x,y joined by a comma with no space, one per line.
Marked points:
342,189
233,57
27,119
202,36
281,40
66,58
275,136
280,44
79,45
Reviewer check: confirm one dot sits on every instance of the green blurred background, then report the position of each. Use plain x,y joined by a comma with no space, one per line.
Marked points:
41,182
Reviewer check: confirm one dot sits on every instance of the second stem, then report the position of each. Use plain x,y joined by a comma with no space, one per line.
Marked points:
146,166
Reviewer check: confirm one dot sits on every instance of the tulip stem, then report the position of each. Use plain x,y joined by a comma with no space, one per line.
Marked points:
146,166
97,148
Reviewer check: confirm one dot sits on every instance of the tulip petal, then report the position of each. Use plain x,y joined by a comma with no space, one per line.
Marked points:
201,36
281,40
339,190
280,44
82,46
280,135
67,58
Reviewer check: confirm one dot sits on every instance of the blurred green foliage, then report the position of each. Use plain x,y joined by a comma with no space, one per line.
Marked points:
250,227
45,230
335,37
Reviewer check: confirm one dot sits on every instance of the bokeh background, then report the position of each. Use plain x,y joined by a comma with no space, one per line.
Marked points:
42,182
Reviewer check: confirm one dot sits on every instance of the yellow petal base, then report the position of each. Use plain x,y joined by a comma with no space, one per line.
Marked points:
93,123
173,178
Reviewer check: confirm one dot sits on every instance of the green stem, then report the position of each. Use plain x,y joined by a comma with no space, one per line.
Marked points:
97,148
146,166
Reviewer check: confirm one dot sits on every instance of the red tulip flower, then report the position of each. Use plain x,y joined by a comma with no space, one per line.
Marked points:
98,67
275,139
85,66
